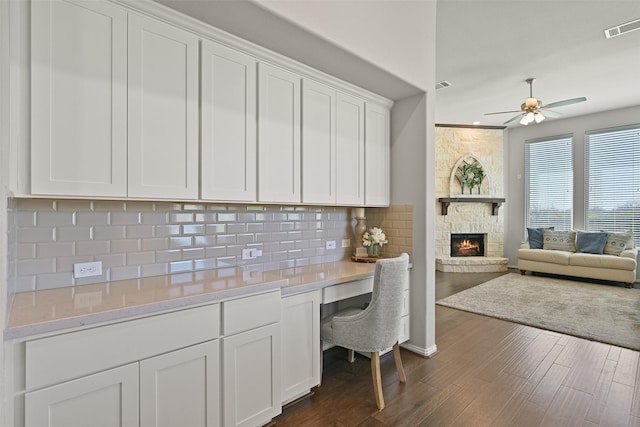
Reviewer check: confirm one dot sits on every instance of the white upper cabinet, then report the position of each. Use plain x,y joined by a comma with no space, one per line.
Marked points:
78,98
278,135
318,143
377,155
127,106
228,122
350,150
162,110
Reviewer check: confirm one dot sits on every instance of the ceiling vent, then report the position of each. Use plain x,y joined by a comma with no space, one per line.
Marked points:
443,84
621,29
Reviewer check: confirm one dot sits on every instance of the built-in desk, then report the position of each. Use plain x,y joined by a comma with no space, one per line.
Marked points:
346,290
227,298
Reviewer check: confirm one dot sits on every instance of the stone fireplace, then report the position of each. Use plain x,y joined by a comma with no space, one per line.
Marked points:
469,211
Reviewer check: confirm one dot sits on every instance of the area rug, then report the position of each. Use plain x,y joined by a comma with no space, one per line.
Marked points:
597,312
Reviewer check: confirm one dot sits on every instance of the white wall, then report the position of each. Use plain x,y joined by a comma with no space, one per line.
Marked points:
4,182
413,183
514,155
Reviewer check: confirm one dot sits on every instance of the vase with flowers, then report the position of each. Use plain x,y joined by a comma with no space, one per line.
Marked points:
373,239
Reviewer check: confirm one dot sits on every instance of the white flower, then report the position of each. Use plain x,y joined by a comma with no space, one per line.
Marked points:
374,236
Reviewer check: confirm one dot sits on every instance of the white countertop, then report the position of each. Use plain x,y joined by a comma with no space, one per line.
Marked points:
46,311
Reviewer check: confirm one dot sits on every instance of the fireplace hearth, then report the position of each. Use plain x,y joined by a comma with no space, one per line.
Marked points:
467,245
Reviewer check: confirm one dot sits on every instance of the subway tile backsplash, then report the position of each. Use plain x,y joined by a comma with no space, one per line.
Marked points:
140,239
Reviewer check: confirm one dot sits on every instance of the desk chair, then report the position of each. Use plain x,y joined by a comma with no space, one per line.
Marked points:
377,327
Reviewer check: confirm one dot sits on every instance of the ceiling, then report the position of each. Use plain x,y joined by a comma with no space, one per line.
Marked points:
252,20
485,49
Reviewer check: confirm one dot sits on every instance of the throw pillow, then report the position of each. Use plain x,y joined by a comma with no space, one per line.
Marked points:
591,242
535,237
618,242
559,240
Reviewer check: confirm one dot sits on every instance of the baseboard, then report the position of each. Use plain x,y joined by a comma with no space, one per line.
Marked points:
425,352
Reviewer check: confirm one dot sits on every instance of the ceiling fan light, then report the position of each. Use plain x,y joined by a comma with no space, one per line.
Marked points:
538,117
524,120
530,117
531,102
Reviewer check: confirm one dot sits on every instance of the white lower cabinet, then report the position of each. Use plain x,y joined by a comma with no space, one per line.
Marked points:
251,360
109,398
181,388
156,371
251,374
300,344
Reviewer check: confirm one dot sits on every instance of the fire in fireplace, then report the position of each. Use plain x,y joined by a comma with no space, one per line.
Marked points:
467,245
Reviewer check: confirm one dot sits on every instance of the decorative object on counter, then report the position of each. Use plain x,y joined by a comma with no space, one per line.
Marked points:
367,259
373,239
360,228
361,252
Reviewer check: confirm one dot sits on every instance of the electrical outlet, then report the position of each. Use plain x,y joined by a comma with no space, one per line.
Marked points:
246,254
331,244
346,243
87,269
251,253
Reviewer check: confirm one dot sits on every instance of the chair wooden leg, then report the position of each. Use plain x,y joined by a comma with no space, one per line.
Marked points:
377,380
396,357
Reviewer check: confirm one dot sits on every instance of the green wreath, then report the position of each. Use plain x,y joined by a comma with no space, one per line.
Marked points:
471,174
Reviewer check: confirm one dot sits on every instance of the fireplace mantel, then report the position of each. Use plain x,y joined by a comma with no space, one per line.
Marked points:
496,202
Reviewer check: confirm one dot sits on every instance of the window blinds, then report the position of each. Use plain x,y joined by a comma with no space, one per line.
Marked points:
549,182
612,180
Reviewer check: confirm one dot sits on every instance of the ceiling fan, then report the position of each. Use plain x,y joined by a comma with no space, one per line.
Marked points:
532,108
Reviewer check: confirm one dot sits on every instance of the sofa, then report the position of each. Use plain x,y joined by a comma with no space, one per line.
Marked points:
594,255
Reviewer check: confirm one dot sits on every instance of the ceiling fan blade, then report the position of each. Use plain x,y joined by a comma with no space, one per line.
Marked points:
550,113
513,118
503,112
565,102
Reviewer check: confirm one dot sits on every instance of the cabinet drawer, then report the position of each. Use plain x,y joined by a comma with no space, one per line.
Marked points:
243,314
92,350
346,290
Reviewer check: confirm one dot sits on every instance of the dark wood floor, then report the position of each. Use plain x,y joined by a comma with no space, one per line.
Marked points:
488,372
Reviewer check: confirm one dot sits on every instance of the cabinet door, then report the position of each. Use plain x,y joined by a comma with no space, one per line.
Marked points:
108,399
278,135
181,388
78,98
318,143
377,153
229,145
350,150
251,372
300,344
163,110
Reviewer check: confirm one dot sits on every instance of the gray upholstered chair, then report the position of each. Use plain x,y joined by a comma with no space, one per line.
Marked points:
377,327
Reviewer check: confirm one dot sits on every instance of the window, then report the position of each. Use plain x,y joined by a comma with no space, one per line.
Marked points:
612,180
549,182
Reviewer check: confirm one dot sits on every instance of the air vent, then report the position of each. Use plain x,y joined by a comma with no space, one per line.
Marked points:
618,30
442,84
